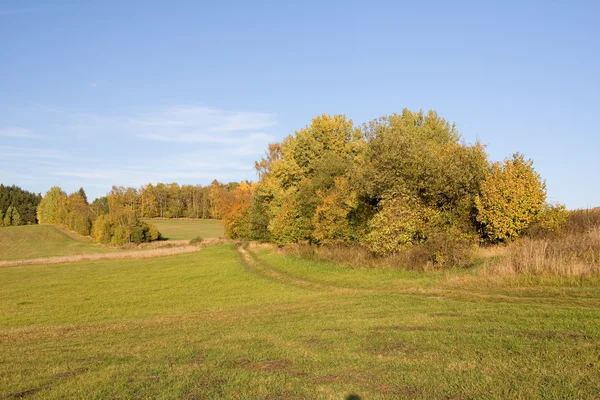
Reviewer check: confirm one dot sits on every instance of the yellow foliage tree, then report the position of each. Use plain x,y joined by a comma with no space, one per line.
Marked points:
49,207
510,199
233,206
331,222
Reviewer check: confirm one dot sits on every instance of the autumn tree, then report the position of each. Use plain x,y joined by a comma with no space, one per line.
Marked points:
78,215
420,155
332,222
234,207
401,222
50,205
510,199
295,170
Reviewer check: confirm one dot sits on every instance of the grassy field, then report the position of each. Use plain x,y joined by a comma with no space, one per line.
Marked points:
185,229
228,323
36,241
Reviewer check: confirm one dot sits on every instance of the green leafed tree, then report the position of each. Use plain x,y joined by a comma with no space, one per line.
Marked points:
419,155
83,195
12,217
24,201
7,219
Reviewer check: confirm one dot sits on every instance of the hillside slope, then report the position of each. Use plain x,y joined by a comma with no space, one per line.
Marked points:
34,241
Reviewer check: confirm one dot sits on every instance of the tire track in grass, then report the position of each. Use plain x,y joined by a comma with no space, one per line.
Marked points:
267,271
260,268
246,261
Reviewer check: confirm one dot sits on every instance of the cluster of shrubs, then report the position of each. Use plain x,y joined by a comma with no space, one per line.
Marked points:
107,220
402,184
123,227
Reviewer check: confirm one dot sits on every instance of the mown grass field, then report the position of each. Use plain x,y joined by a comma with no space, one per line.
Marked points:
36,241
186,229
244,324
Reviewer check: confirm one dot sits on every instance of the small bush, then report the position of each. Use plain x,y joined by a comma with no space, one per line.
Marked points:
121,228
550,220
448,248
196,241
152,233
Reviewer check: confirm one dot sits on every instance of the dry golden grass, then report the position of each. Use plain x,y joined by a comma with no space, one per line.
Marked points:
570,253
582,221
574,254
145,250
103,256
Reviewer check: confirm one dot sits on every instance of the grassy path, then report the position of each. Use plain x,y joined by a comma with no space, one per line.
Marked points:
258,267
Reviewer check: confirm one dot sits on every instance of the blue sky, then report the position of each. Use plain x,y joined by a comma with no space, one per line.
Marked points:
128,92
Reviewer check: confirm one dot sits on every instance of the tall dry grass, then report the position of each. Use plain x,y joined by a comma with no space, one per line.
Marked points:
582,221
142,251
576,254
574,250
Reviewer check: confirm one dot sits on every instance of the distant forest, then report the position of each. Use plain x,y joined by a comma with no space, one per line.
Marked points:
116,217
17,206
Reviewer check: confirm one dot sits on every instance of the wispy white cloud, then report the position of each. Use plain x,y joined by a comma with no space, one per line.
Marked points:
17,132
249,138
138,177
184,144
19,11
180,124
31,152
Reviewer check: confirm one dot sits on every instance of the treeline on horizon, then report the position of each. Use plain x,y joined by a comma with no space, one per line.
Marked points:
116,218
17,206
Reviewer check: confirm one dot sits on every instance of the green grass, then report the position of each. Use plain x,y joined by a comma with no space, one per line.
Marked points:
186,229
36,241
208,325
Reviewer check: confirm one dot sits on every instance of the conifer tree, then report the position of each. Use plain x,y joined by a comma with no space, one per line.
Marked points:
8,216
